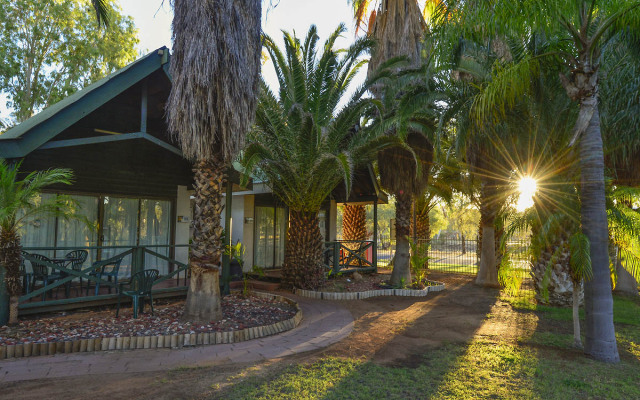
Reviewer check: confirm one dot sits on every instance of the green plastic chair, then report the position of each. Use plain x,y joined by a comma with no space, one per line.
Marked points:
139,287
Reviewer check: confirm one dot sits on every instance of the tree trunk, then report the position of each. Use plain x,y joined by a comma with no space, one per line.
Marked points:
626,283
203,297
553,283
464,244
303,267
401,274
354,226
600,338
577,341
487,271
354,222
10,258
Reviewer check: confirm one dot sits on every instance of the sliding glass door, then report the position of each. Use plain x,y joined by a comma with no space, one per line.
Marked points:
270,234
155,230
120,228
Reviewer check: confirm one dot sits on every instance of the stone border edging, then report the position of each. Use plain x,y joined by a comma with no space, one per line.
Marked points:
155,342
312,294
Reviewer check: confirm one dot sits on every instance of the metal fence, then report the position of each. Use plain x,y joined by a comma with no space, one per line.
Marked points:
461,257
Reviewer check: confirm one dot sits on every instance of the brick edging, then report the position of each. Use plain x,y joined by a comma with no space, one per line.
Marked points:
312,294
155,342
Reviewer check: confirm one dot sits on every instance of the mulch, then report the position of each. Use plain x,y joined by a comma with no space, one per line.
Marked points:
238,313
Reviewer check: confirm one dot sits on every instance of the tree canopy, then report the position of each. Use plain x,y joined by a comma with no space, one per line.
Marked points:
51,49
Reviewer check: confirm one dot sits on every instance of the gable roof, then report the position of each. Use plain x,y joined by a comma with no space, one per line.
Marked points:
26,137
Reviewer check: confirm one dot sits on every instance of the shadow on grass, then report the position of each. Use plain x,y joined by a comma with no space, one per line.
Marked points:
428,339
495,352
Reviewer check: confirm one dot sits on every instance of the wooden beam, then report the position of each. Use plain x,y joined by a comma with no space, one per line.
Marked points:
161,143
90,140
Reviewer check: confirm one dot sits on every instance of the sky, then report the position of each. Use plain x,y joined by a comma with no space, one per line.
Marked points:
153,20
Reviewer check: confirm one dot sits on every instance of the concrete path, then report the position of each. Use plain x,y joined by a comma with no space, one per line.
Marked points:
323,323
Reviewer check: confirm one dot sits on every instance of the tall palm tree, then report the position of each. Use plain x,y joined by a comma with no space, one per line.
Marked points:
215,73
398,28
579,30
304,143
20,201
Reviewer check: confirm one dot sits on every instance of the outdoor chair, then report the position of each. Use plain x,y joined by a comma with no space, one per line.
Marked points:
106,268
41,273
138,288
77,257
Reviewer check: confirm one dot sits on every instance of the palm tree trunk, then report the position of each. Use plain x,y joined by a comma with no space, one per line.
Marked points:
203,297
577,341
401,274
354,226
600,338
302,267
10,258
487,271
626,283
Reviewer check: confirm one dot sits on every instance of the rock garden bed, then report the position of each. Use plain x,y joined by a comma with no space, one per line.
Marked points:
356,286
244,318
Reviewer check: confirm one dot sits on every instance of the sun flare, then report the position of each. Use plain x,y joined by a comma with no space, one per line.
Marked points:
527,187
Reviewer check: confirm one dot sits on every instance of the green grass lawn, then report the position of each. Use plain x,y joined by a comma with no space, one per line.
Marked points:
541,365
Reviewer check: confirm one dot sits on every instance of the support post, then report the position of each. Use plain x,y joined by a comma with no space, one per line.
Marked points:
374,256
226,259
137,260
143,107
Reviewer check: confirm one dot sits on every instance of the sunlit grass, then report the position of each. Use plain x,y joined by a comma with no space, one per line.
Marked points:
479,370
540,365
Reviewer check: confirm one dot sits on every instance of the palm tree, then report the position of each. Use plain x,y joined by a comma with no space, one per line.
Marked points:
215,73
579,31
20,201
398,28
304,143
354,224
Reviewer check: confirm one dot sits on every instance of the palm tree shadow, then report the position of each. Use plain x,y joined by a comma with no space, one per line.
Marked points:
432,333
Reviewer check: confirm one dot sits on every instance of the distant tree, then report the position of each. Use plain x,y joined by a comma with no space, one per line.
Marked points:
51,48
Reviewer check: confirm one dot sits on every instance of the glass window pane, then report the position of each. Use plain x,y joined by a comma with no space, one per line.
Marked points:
120,229
264,237
76,233
155,229
281,233
39,230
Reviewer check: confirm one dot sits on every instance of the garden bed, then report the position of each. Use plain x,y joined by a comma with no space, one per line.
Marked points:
370,285
244,318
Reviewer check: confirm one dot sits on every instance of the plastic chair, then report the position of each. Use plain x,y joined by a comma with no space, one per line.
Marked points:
77,257
41,273
138,287
109,268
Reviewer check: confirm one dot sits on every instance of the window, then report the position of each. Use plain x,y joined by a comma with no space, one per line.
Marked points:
270,234
125,223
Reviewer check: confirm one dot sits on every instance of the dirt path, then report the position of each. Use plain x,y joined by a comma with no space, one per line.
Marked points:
388,330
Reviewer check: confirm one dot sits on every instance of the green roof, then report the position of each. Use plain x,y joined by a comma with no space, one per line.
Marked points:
44,126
